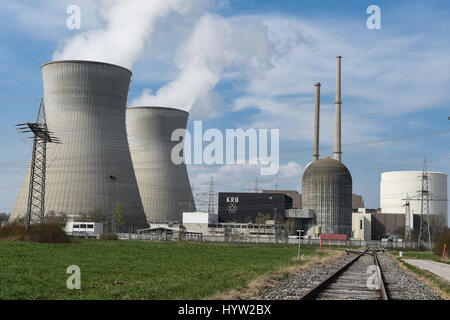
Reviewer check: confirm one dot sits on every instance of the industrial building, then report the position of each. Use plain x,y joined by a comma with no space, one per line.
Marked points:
327,183
84,229
163,185
361,225
396,186
246,207
91,169
296,197
357,202
199,221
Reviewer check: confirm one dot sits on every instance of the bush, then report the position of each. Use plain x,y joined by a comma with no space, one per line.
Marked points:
438,248
109,237
48,232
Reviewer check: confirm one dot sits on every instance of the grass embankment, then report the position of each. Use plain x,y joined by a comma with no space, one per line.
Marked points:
439,285
427,255
137,269
47,232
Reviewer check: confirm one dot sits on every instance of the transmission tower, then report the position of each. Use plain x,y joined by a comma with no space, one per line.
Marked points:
424,196
407,219
36,192
256,185
424,229
110,221
211,197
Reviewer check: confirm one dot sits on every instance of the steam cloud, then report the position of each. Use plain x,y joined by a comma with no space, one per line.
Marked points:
128,24
215,46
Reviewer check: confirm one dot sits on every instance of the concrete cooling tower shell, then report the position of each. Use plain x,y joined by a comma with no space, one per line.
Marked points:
397,185
91,170
163,185
327,189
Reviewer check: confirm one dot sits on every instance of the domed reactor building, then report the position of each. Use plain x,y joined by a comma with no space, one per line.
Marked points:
91,170
163,184
327,183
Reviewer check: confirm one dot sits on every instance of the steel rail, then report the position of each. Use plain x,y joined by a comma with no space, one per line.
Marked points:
383,293
313,292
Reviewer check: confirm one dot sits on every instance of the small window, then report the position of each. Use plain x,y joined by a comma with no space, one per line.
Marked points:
90,226
76,226
83,226
360,224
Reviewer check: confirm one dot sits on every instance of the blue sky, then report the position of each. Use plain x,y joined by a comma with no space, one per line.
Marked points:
395,81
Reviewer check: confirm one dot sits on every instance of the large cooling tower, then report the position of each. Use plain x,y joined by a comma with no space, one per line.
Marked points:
163,185
397,185
91,170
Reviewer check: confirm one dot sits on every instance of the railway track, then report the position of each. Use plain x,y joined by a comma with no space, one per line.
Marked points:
359,279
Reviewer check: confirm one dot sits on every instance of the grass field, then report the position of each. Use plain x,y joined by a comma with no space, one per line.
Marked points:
136,269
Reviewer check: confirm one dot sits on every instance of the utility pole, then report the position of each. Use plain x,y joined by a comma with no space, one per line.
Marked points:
299,241
211,196
36,192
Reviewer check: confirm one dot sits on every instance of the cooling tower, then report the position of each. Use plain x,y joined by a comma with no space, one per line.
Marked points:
163,185
91,170
397,185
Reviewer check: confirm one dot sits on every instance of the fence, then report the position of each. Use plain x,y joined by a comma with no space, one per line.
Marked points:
269,239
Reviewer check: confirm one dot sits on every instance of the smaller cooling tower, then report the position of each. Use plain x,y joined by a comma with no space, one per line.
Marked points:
163,185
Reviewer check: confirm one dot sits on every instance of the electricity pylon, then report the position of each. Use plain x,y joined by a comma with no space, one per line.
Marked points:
424,196
424,229
408,228
36,192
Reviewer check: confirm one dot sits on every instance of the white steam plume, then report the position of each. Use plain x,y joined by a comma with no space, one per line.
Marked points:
216,45
128,24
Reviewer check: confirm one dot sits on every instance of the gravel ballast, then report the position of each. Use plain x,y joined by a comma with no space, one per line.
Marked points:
400,284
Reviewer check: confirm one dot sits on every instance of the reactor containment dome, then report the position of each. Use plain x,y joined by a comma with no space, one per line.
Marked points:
327,188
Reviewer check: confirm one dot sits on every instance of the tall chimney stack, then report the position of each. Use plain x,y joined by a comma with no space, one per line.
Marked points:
337,134
316,122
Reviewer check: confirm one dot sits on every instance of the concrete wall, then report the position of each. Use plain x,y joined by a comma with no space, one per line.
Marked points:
386,224
362,226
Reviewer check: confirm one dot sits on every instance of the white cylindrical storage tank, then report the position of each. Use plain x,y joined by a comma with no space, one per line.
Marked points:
91,170
163,185
396,185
